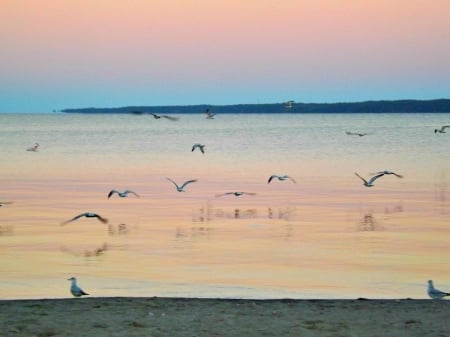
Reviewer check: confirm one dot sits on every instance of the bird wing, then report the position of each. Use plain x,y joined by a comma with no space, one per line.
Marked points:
361,177
271,177
173,182
104,220
350,133
128,191
371,180
74,218
111,193
289,177
188,182
171,118
397,175
444,127
249,193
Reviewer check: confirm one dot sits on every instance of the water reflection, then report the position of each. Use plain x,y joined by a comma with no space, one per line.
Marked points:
209,213
368,224
6,230
87,252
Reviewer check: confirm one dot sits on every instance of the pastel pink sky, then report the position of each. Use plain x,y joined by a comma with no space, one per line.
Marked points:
78,53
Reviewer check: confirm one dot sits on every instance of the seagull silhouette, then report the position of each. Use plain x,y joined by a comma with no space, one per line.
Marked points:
236,194
209,115
181,188
435,293
75,289
442,129
34,148
284,177
369,183
171,118
87,215
356,133
201,147
122,194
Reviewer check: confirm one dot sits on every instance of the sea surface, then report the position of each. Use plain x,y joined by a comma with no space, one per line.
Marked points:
325,236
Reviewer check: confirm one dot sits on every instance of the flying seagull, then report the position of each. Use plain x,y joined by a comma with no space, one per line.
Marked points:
75,289
171,118
388,172
369,183
355,133
5,203
209,115
442,129
236,194
87,215
201,147
122,194
434,293
284,177
288,104
181,188
34,148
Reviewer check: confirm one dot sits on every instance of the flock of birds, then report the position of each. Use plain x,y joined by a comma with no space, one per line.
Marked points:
76,291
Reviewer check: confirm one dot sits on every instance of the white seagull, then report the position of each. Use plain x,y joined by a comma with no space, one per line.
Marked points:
236,194
75,289
284,177
34,148
181,188
389,172
369,183
288,104
122,194
434,293
87,215
209,115
442,129
201,147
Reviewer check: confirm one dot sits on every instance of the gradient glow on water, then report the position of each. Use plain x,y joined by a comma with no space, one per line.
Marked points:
325,237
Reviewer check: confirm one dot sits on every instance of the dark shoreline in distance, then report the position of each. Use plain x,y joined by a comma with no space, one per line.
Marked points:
394,106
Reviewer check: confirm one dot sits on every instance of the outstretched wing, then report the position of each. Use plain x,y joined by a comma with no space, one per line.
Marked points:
445,127
170,118
371,180
188,182
173,182
271,177
128,191
74,218
104,220
293,180
365,181
111,193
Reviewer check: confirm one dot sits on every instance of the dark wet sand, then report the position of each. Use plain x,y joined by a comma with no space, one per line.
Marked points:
223,317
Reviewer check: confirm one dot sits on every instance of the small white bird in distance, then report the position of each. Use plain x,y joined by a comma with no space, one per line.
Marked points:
87,215
34,148
369,183
236,194
435,293
75,289
282,178
201,147
122,194
209,115
181,188
442,129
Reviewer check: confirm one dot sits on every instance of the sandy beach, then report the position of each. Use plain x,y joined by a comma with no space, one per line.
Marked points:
223,317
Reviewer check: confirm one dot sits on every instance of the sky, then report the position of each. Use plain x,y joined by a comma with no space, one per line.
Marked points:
110,53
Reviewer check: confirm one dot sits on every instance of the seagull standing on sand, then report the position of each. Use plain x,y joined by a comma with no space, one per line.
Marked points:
434,293
442,129
34,148
75,289
181,188
122,194
236,194
87,215
282,178
201,147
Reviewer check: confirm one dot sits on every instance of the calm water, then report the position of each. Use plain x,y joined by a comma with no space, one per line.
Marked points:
326,236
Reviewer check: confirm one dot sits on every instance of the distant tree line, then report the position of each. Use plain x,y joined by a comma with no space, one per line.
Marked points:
397,106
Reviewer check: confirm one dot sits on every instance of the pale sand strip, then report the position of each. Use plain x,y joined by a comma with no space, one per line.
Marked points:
172,317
